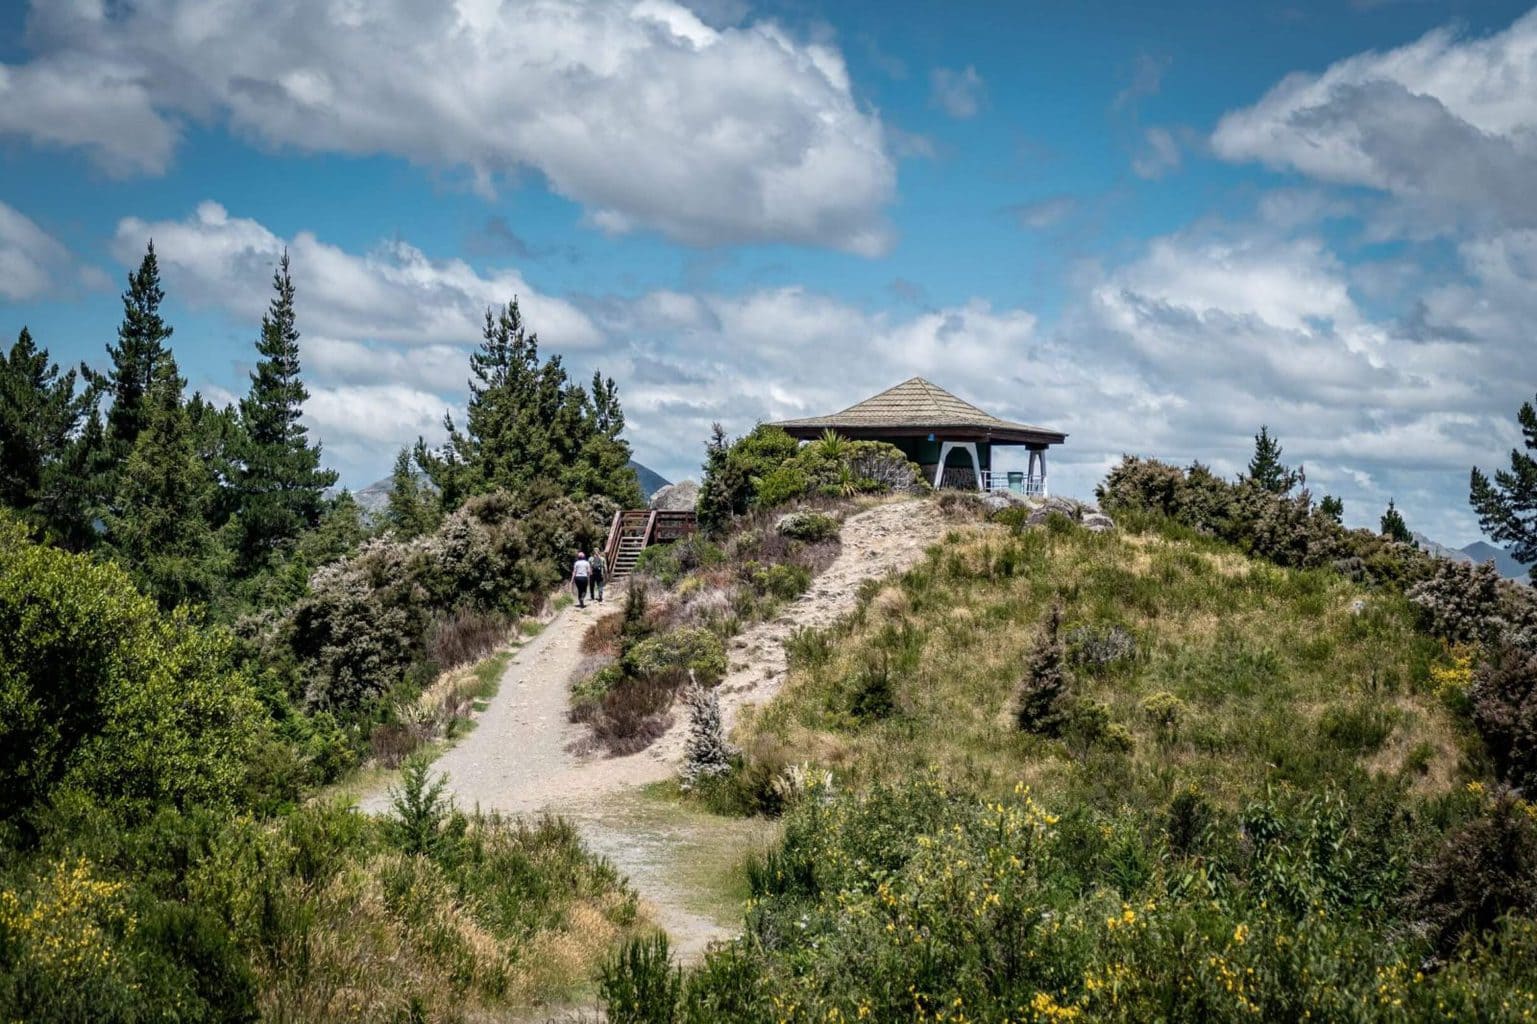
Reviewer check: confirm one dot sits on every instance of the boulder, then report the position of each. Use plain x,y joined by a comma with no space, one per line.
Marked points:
1097,522
679,497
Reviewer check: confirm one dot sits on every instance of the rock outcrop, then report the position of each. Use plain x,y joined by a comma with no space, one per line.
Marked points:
679,497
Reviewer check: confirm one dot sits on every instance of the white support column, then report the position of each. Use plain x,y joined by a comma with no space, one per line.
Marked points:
944,454
939,471
1030,468
1044,492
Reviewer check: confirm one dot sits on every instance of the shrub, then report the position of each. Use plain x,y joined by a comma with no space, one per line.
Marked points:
104,692
681,651
1099,647
1163,709
808,526
1043,693
1459,602
633,714
464,636
1503,700
784,580
420,808
639,984
1483,870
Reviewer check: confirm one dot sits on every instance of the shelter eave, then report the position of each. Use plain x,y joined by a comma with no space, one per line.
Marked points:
999,434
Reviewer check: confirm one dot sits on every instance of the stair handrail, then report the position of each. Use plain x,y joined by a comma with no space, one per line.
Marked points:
611,546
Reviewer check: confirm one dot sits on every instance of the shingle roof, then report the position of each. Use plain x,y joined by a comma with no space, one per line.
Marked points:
918,404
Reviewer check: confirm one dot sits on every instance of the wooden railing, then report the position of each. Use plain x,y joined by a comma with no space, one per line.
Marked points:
634,530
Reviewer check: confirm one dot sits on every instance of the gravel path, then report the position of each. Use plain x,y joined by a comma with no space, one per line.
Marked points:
518,758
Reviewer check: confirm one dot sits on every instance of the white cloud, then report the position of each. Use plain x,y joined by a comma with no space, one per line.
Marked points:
957,93
1445,121
33,263
394,292
1264,330
642,112
1158,156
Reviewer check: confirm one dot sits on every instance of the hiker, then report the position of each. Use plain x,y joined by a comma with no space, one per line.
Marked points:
599,575
581,576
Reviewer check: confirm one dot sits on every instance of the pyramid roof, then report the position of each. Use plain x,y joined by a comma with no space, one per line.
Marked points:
916,407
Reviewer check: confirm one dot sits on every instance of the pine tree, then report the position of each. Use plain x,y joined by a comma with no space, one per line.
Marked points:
526,422
280,485
706,754
1393,525
724,489
1043,693
158,525
39,415
413,510
1332,507
1507,507
605,457
1266,470
141,339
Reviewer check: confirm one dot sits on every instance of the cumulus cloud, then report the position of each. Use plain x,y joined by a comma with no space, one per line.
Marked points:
1227,333
34,263
393,292
643,112
1446,121
957,93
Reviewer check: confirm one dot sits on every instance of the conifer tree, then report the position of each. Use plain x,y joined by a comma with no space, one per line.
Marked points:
280,485
1394,527
158,524
39,415
1043,693
412,510
1332,507
605,458
1507,506
141,339
1266,470
526,422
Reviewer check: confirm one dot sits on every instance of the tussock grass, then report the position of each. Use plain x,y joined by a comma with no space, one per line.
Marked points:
1281,681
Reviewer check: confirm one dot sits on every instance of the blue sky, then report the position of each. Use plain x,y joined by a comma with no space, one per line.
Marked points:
1153,229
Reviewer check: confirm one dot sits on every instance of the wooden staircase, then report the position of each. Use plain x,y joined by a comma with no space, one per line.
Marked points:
635,530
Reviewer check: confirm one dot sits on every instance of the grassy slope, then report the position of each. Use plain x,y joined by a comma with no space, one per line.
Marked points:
1281,679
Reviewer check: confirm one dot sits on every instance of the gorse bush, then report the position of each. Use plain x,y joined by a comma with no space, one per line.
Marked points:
921,903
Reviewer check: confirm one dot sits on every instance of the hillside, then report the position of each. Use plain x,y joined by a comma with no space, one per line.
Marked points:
1051,774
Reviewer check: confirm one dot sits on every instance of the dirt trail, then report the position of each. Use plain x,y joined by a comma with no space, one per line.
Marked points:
518,759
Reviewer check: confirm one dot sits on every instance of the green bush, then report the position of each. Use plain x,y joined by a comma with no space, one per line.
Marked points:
639,984
688,649
101,691
808,526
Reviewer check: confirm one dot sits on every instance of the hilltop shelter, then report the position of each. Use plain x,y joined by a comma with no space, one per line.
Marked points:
952,440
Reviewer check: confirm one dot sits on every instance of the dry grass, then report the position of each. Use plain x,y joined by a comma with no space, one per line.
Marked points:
1258,655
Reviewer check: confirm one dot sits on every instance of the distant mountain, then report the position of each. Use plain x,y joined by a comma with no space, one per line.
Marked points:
1477,552
650,480
1504,561
375,497
1429,546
